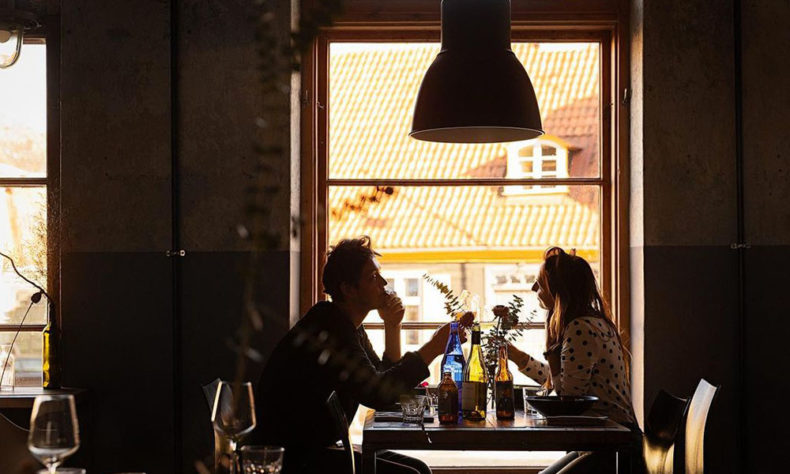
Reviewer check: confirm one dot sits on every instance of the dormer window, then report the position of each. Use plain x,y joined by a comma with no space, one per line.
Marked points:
541,158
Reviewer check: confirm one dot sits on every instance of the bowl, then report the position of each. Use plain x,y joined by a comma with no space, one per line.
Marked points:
566,405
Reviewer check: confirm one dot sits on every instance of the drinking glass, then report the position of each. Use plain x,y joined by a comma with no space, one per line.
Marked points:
261,459
54,431
233,415
7,374
413,408
533,391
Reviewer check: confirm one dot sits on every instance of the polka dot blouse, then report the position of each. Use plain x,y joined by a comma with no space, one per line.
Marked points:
591,363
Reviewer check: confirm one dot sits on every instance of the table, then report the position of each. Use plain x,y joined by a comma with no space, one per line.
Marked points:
23,397
524,433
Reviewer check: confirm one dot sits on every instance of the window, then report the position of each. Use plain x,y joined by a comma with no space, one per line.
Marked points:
458,210
544,157
479,216
23,207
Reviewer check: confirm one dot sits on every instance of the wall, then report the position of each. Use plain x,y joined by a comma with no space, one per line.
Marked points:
766,71
141,348
683,213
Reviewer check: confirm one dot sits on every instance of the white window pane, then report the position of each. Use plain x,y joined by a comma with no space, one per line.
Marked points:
23,235
27,357
23,115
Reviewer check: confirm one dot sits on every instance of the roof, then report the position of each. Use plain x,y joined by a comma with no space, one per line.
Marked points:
371,100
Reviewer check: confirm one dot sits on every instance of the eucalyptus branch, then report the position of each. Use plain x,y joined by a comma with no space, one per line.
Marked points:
452,305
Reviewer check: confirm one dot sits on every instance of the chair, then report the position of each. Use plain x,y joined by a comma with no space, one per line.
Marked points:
663,442
695,426
341,425
14,455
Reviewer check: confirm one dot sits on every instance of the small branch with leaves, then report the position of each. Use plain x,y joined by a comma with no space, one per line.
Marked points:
505,330
452,304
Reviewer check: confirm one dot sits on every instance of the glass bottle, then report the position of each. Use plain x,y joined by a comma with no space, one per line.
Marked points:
51,351
454,361
448,399
475,385
505,404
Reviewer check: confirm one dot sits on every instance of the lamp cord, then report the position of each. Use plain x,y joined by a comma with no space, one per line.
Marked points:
38,287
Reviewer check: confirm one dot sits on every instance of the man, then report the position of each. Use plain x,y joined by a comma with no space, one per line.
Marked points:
329,350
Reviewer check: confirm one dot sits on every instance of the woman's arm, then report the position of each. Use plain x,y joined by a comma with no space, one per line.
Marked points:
577,360
528,365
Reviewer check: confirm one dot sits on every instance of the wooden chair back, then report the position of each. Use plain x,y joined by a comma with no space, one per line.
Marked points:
341,425
663,441
695,426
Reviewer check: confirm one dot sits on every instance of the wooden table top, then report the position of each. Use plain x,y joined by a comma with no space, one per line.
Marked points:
23,397
526,433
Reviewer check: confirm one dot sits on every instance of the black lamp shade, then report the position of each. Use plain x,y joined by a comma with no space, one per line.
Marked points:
476,90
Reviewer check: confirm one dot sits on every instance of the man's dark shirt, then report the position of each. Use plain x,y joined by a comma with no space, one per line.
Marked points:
321,353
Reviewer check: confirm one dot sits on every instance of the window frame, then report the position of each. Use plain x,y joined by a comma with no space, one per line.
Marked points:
49,34
603,21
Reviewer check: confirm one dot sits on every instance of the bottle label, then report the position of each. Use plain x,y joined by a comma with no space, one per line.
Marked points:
468,396
505,405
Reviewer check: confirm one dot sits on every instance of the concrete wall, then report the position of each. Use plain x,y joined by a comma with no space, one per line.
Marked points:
120,339
766,74
683,214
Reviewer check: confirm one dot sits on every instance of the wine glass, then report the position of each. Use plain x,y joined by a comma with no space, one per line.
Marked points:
54,431
233,415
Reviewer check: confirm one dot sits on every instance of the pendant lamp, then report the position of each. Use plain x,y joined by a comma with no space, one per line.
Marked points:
13,24
476,90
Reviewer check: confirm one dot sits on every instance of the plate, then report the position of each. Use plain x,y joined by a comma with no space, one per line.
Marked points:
562,405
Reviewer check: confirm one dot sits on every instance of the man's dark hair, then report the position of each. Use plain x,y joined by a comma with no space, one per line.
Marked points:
344,264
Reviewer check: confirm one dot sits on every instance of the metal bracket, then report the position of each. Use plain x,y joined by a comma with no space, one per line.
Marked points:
741,245
626,96
175,253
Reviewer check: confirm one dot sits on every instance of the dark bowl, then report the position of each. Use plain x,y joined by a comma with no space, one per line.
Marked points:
562,405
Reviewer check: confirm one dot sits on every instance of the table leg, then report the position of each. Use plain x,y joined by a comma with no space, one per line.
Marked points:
625,461
368,460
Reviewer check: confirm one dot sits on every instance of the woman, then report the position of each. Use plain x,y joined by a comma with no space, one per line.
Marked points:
583,348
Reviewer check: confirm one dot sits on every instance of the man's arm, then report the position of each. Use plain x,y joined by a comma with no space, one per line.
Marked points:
392,315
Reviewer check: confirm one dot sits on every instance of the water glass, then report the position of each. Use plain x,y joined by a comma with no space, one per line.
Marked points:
413,408
7,367
432,399
261,459
535,391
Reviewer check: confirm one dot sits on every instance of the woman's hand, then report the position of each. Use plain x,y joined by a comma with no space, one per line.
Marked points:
436,345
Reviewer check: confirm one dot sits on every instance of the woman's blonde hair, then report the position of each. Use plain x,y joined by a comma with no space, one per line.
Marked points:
569,279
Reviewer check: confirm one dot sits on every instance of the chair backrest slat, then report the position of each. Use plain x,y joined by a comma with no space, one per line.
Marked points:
695,426
664,430
341,424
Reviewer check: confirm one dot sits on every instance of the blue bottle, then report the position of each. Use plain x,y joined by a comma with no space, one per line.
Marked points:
453,360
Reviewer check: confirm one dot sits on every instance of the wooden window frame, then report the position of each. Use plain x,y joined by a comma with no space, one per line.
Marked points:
603,21
48,34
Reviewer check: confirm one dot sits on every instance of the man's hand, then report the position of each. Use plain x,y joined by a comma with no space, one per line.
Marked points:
436,345
392,310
